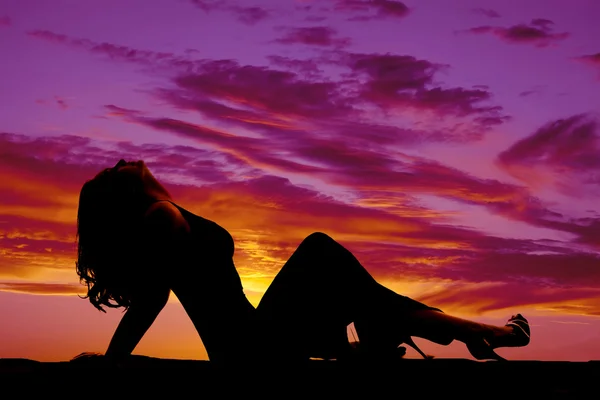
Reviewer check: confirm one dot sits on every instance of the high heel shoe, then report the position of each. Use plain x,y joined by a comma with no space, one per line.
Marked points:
521,333
483,348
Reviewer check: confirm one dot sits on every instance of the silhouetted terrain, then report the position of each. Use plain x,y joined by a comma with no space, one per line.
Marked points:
404,378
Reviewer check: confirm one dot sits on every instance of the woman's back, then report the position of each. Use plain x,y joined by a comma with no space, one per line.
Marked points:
209,287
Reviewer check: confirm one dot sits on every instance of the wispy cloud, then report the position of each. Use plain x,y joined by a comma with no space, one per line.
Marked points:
592,60
364,10
249,15
536,90
153,59
393,84
57,101
563,153
539,32
364,171
483,297
313,36
403,81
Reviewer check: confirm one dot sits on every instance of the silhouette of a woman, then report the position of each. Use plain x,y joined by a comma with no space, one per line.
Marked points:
135,246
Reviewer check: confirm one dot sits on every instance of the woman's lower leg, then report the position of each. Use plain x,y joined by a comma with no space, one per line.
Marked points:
432,325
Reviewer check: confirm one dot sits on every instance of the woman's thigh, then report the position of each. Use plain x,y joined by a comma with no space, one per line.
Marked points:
320,290
321,277
315,296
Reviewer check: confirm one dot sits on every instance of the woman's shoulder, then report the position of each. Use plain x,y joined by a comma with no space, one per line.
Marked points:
164,219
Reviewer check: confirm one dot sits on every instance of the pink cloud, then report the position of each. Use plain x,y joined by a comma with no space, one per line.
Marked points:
352,165
564,152
401,81
547,269
56,101
238,147
391,83
62,103
344,163
592,60
156,60
307,68
5,21
367,10
537,90
247,15
267,89
208,5
314,36
538,32
480,298
115,111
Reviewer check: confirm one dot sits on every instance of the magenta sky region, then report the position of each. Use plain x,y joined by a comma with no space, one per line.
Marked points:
453,146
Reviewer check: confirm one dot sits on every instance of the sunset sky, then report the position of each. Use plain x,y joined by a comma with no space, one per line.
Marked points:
452,146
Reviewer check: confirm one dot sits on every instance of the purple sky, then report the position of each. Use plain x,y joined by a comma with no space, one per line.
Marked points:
452,145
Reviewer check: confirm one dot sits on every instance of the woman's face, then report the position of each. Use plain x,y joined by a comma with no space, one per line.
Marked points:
130,169
137,170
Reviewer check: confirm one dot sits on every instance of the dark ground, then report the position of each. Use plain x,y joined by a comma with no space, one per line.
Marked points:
403,378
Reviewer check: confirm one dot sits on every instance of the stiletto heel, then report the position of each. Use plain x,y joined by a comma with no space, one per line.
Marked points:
483,351
409,341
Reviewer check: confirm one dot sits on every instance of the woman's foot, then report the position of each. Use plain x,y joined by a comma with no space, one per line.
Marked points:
521,331
516,333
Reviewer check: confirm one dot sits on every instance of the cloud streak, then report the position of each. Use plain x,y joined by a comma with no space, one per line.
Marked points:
247,15
538,32
367,172
313,36
563,152
365,10
592,60
396,85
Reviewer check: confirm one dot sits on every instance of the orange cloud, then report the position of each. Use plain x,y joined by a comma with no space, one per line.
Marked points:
474,299
396,239
42,288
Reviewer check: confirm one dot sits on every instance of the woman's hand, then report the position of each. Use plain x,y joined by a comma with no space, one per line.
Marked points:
86,356
93,359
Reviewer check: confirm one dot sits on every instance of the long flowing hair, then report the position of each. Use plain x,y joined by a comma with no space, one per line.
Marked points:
109,232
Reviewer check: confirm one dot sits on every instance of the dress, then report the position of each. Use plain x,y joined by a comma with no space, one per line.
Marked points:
304,313
209,288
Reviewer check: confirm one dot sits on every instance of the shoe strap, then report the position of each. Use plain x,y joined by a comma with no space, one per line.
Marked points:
524,329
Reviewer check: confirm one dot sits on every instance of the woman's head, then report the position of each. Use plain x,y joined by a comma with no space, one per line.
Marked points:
109,228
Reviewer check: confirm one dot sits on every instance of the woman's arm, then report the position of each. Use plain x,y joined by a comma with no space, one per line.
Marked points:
137,319
164,231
